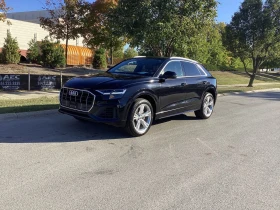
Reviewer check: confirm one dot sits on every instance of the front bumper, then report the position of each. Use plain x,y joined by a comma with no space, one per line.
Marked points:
94,107
106,116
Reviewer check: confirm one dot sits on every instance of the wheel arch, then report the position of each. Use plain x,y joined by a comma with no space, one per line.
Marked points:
213,91
149,97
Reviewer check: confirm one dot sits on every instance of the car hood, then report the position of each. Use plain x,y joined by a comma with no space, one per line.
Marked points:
104,81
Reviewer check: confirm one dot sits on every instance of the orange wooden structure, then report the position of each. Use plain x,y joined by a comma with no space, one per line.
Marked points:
78,55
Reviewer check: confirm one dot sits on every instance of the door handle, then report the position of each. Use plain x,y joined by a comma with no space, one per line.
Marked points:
183,84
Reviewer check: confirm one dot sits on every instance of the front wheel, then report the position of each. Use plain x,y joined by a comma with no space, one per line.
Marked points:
207,107
140,118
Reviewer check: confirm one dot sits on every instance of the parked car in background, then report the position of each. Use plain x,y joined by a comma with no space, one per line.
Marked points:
138,91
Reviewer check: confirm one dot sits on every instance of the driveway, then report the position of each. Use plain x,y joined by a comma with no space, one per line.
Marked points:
231,161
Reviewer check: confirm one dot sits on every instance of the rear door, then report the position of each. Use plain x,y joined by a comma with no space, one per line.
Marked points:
196,81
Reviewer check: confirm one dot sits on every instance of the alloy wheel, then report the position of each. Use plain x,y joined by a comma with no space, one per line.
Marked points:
208,105
142,118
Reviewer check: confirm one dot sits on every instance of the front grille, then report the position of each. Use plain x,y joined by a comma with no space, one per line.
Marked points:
81,100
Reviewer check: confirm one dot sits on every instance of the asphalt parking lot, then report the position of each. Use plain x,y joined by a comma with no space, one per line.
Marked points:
231,161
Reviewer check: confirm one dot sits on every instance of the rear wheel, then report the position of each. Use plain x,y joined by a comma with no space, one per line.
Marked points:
140,118
207,107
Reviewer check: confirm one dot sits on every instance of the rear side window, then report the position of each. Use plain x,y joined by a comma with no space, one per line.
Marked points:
191,70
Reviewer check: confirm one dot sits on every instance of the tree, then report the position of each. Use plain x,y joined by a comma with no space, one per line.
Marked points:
98,30
253,33
130,53
10,50
63,21
3,10
158,27
33,52
99,60
51,53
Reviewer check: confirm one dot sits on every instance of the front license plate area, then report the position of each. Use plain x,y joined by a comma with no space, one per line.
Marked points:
73,105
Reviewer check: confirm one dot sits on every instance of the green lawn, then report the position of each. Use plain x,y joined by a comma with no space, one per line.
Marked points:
244,89
232,78
28,105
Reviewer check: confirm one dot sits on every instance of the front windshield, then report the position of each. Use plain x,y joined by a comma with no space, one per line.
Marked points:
139,66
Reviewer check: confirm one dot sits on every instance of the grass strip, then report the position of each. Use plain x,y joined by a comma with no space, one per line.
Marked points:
28,105
244,89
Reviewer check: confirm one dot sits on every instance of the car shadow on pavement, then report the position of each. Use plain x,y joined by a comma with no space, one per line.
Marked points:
67,129
63,130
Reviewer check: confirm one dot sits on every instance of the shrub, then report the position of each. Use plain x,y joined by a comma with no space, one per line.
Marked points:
130,53
33,52
211,67
10,51
99,59
52,54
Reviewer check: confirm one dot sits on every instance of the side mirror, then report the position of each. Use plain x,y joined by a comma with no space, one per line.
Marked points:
169,75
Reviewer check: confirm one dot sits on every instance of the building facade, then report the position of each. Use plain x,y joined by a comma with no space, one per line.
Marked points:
25,26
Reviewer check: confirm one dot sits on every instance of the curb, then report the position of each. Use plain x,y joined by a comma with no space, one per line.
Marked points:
14,116
242,92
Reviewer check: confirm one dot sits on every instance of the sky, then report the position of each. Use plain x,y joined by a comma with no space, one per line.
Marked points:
226,8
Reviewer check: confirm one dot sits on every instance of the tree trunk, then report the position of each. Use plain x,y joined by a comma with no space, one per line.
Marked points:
252,78
66,48
111,55
66,51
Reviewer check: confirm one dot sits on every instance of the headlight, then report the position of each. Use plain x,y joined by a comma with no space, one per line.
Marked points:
113,93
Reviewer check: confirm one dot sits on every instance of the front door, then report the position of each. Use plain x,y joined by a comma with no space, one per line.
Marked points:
173,91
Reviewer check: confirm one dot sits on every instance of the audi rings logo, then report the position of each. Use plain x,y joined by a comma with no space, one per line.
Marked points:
73,93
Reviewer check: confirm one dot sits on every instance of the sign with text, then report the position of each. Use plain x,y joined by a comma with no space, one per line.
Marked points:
40,82
10,82
13,82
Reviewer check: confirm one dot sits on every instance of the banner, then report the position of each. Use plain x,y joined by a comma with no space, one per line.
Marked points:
37,82
13,82
40,82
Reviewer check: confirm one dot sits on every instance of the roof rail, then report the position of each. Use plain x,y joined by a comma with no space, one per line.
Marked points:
140,57
184,59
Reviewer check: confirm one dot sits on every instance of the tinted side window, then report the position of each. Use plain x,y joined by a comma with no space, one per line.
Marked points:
191,70
174,66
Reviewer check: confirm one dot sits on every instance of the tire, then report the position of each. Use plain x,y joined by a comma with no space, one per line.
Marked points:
139,124
207,107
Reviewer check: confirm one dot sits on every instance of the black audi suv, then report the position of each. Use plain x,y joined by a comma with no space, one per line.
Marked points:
138,91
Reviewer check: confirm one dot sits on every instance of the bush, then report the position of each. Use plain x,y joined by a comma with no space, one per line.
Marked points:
10,52
52,54
211,67
33,52
99,59
130,53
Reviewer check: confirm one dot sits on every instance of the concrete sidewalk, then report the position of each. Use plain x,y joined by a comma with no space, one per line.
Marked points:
17,95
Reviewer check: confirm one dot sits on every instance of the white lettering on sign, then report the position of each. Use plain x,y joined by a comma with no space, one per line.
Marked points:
10,82
47,82
11,77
